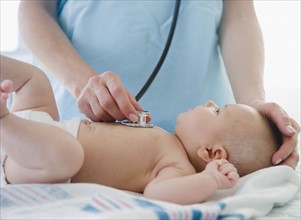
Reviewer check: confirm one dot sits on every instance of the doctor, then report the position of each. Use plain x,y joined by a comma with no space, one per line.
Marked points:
98,55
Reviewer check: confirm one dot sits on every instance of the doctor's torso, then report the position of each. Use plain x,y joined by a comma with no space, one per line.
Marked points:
128,37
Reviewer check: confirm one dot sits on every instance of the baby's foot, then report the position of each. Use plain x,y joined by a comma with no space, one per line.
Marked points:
5,89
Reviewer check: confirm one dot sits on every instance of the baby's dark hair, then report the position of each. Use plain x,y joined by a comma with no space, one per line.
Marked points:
253,145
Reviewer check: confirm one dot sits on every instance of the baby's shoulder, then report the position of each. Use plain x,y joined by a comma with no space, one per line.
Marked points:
176,161
175,169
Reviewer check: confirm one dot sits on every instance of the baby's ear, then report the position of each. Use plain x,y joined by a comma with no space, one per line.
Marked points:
212,152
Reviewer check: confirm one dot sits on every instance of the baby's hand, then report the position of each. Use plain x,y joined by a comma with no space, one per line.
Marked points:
5,89
225,173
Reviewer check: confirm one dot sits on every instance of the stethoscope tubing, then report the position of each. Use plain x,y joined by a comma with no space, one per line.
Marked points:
164,52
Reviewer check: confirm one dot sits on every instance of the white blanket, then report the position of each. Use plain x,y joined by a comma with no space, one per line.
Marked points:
254,196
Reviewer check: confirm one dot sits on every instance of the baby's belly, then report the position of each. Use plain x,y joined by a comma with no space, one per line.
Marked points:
114,157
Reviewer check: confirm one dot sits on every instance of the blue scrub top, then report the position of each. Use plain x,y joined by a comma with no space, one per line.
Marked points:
128,37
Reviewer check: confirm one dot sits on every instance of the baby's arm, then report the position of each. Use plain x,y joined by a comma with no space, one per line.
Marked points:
170,186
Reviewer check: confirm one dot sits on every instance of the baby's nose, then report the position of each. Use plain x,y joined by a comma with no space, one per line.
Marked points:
211,104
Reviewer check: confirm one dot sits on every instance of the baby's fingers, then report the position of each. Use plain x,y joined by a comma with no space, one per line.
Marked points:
233,177
227,168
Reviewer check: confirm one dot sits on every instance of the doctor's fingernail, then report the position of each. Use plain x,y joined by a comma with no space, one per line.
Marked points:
278,161
290,129
133,117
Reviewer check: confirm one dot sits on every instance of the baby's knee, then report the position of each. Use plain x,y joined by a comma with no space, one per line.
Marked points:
69,164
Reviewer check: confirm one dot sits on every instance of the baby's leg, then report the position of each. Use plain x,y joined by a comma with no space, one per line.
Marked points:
36,152
32,87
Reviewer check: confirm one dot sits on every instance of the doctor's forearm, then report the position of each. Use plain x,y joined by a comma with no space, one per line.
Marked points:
243,52
48,43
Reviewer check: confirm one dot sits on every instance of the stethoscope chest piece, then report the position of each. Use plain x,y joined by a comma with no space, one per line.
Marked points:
142,120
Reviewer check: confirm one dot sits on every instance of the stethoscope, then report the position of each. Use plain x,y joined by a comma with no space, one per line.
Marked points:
142,115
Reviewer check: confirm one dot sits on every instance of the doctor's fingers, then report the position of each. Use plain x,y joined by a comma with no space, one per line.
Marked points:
86,108
126,103
292,160
88,104
285,124
287,152
134,102
106,107
113,100
96,101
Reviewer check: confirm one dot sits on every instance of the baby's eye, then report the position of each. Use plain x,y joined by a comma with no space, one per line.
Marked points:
217,110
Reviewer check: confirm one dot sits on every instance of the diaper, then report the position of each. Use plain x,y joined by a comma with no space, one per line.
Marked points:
71,126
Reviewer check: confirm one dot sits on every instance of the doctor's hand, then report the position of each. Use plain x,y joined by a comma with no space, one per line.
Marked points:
289,128
104,98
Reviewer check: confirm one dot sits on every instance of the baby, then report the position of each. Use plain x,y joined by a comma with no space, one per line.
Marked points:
211,146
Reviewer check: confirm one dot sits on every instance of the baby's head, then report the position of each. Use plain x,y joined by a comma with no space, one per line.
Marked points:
238,133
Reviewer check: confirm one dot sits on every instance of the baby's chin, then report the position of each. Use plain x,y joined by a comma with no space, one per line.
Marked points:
180,117
177,125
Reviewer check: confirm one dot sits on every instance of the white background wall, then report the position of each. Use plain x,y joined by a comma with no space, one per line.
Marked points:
280,22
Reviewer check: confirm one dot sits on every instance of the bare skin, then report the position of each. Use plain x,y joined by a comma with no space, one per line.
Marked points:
113,158
149,161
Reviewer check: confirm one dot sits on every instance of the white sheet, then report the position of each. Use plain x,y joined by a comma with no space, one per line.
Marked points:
253,197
